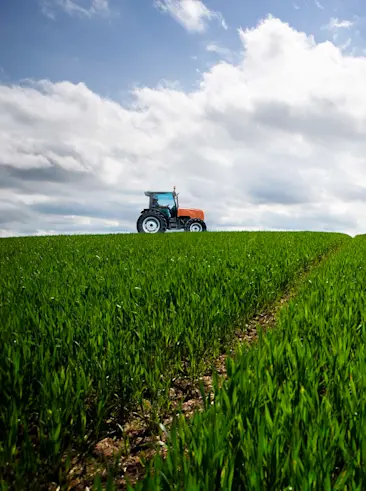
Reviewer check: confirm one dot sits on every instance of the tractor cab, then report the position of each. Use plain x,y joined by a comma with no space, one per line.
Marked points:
164,214
166,202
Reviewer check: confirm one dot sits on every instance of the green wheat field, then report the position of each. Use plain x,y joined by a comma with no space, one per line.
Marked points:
92,327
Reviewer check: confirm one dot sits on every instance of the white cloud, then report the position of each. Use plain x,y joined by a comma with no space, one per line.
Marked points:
193,15
276,141
344,34
335,24
225,53
319,5
81,8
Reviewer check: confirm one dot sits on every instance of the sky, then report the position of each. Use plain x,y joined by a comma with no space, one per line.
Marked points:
255,111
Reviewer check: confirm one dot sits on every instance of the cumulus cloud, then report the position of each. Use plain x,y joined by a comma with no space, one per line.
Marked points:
193,15
276,141
80,8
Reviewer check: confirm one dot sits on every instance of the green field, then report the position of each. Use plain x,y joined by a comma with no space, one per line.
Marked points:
293,412
92,326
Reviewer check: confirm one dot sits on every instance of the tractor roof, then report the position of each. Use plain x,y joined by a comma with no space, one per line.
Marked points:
149,193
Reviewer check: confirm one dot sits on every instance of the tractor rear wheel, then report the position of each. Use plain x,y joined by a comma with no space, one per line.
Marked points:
195,225
151,222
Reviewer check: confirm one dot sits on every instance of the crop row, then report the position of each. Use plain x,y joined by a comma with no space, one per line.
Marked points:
292,414
91,325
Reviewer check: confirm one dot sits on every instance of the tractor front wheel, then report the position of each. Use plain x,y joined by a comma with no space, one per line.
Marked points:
195,225
151,222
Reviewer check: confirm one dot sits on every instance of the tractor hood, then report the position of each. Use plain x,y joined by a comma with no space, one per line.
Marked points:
191,213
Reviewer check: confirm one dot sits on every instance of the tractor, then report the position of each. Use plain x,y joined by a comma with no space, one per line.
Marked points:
165,214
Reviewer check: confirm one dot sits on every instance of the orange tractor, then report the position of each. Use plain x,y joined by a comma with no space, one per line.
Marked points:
164,214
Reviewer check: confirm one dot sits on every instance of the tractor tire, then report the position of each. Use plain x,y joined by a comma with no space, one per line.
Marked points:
195,225
151,222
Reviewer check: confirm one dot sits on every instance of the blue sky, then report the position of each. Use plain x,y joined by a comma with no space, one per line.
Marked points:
274,138
137,44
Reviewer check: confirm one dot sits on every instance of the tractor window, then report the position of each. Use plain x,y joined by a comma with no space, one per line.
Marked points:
164,200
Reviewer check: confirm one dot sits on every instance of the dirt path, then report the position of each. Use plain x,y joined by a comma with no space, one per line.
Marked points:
126,460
